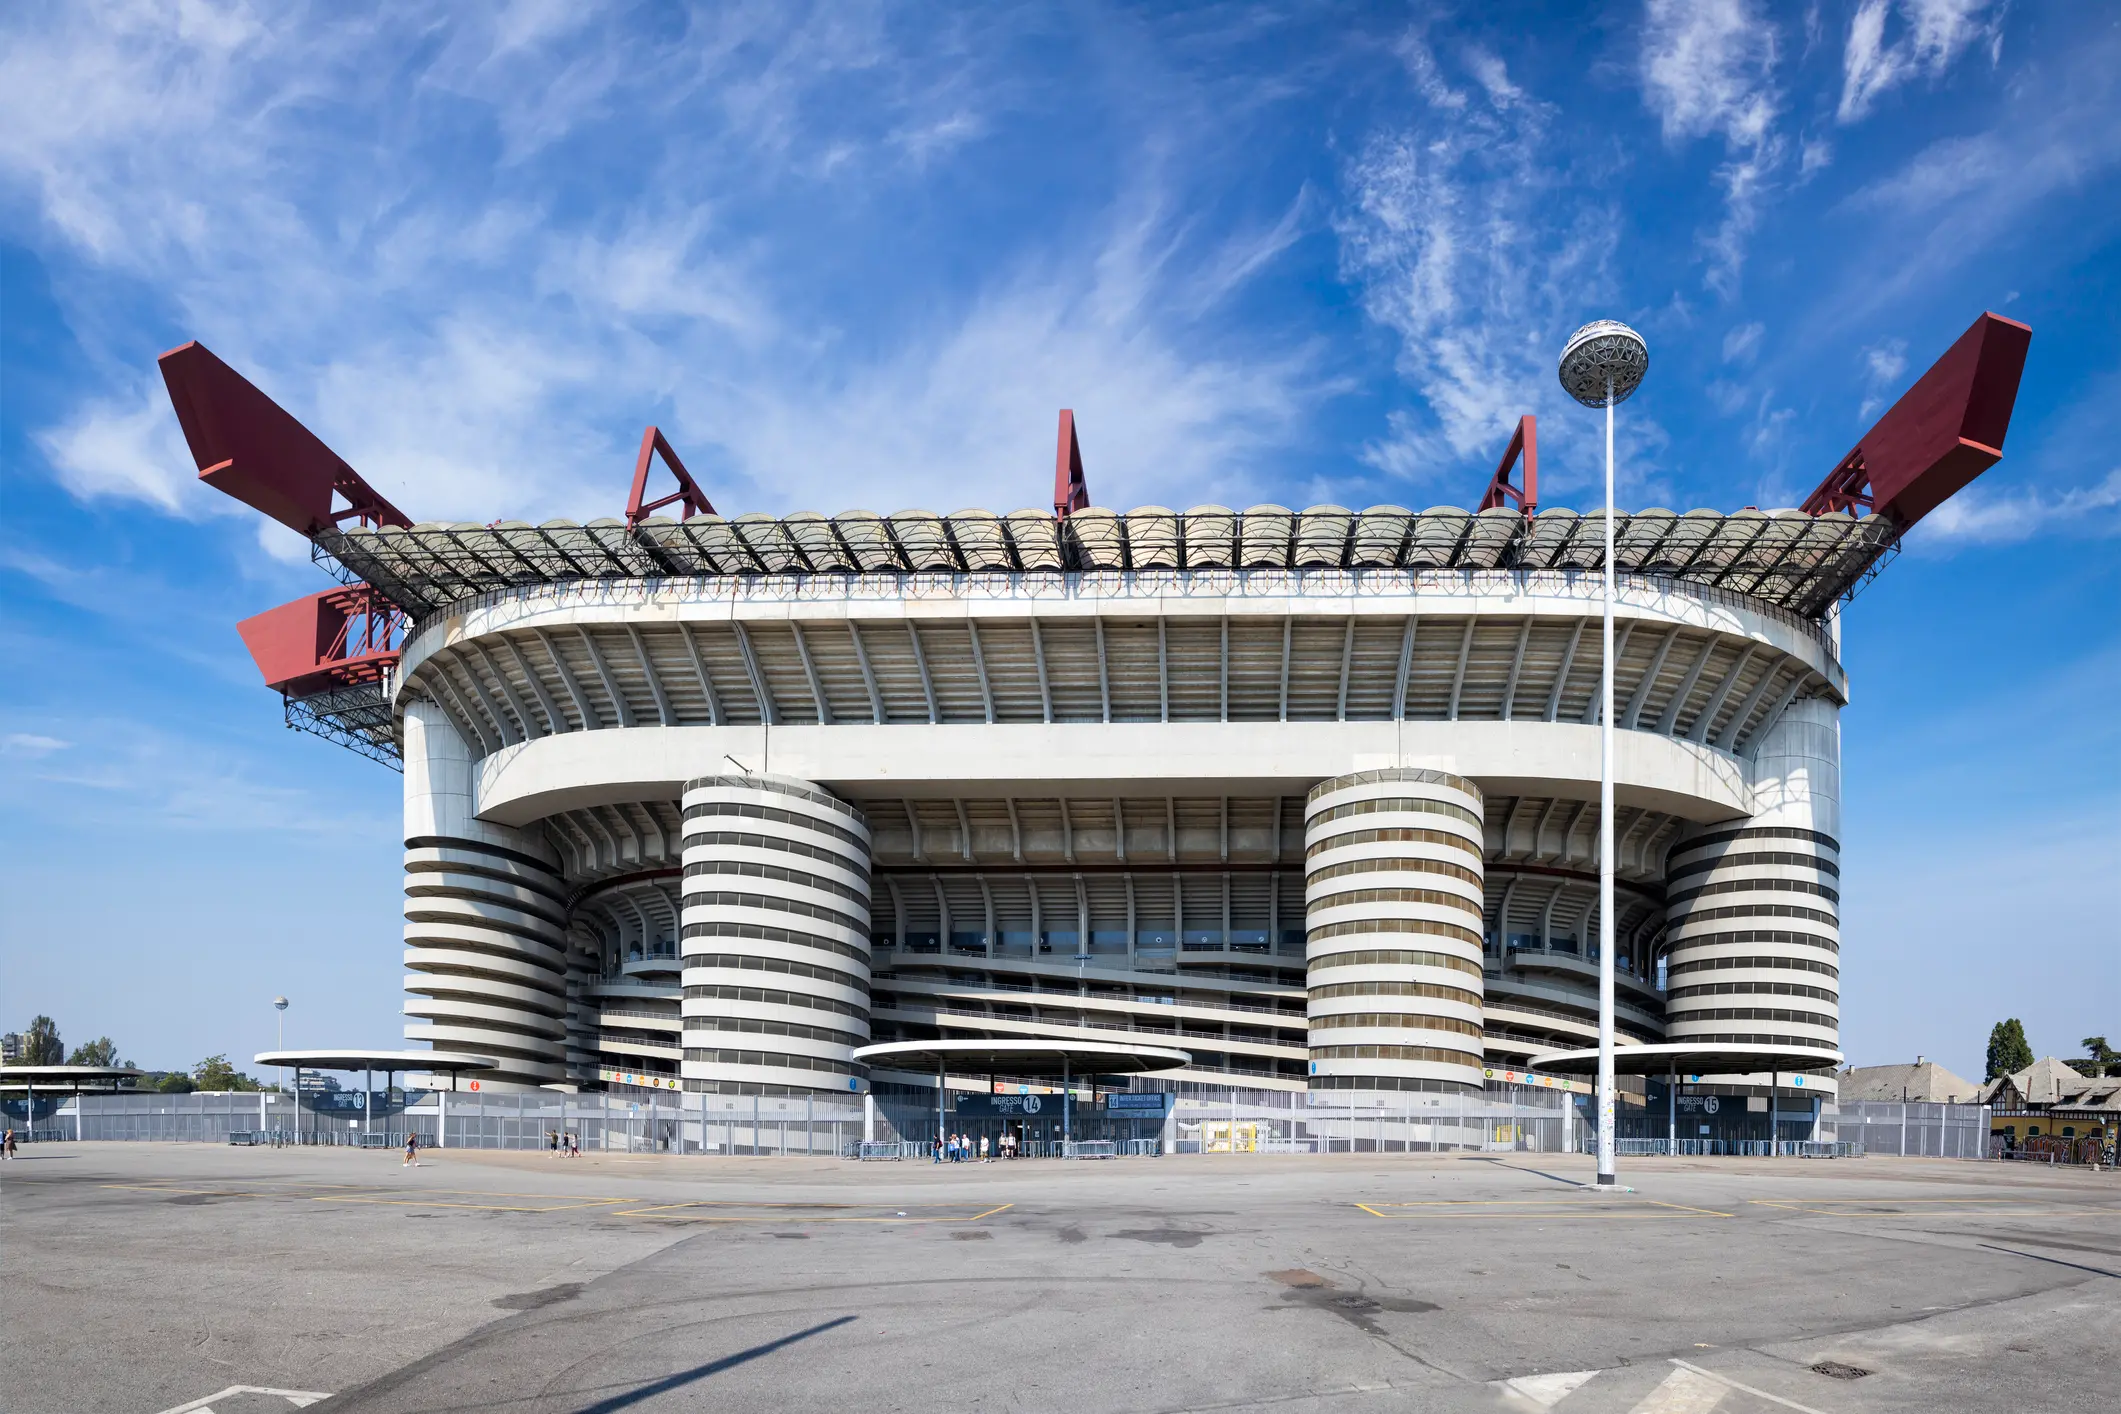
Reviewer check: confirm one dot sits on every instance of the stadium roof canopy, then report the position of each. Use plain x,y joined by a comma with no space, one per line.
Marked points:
1792,559
976,1056
1691,1058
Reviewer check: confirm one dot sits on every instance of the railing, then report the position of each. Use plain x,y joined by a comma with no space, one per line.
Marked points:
1728,1148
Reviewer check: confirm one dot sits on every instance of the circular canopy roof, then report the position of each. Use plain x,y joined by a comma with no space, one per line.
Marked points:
1691,1058
377,1060
65,1075
1027,1058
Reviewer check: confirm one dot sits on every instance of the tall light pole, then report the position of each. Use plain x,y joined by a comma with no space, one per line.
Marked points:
279,1004
1602,364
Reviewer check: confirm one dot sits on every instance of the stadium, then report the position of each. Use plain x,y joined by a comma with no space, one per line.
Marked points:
1303,802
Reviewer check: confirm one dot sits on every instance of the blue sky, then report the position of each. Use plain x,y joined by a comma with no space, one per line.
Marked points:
857,256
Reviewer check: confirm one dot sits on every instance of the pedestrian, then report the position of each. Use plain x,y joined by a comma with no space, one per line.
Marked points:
7,1145
983,1149
412,1150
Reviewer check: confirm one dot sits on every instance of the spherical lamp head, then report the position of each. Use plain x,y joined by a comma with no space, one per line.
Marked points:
279,1003
1603,358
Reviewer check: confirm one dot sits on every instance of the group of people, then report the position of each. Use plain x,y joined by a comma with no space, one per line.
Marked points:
563,1142
964,1149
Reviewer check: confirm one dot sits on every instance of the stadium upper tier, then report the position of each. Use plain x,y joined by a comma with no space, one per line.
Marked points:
1790,559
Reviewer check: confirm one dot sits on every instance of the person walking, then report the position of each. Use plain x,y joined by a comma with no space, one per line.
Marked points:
412,1150
7,1144
983,1149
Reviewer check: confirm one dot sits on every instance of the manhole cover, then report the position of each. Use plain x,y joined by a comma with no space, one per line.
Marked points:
1835,1370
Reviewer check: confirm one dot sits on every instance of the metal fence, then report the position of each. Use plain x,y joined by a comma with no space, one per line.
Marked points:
1735,1148
1375,1123
1915,1130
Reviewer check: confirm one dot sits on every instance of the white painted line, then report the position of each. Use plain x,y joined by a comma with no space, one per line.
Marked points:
1546,1391
1684,1391
1748,1389
299,1398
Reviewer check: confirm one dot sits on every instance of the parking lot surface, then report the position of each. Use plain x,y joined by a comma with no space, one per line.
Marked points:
143,1278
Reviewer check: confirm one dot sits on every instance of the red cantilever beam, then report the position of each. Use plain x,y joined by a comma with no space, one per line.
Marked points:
249,447
1070,491
334,638
1944,431
1500,492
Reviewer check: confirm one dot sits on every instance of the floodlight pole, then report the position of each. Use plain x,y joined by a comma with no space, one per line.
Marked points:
1606,1174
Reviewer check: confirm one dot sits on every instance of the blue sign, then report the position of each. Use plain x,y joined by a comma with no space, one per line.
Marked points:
1009,1106
1138,1104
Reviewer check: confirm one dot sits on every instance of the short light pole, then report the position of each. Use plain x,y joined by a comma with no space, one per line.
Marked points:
1601,365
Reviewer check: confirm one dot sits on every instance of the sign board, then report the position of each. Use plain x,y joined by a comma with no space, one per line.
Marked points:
1138,1104
1544,1082
1008,1106
648,1082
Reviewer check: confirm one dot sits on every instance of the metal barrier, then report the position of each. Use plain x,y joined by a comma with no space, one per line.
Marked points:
1731,1148
1092,1149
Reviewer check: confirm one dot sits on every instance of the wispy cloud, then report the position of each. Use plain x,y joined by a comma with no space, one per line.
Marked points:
1708,69
1465,245
1974,518
30,744
1929,36
495,351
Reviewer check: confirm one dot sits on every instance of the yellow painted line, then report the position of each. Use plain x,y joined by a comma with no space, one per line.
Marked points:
1546,1209
417,1202
1884,1209
172,1188
807,1212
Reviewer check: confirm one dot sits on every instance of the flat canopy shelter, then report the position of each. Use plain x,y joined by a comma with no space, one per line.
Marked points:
1690,1058
1039,1059
73,1079
1676,1058
369,1062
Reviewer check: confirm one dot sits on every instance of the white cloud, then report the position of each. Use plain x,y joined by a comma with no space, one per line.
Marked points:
1932,34
1883,364
30,744
1466,243
491,348
129,449
1743,342
1707,70
1972,518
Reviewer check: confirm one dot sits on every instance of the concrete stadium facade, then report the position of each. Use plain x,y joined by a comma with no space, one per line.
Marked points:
1322,828
713,804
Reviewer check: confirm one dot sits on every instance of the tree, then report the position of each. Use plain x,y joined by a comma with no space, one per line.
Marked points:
215,1073
2008,1050
100,1051
175,1084
43,1046
2099,1058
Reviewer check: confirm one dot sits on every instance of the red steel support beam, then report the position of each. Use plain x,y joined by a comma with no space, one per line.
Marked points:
334,638
1070,491
1944,431
654,444
249,447
1500,492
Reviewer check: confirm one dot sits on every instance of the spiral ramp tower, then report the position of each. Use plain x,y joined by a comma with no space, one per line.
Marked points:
485,920
1393,911
1753,909
775,941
